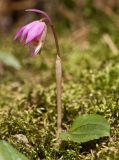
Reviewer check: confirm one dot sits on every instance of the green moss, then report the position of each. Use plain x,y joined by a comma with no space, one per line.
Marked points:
33,116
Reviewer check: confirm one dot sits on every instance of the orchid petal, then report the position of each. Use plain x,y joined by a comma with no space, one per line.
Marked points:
19,32
34,32
27,28
36,48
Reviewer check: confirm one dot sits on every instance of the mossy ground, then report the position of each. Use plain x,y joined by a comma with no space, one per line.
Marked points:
28,106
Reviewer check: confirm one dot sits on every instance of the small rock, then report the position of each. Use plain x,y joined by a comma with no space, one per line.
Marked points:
21,137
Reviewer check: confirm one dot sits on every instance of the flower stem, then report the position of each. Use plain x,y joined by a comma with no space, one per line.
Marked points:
58,94
58,85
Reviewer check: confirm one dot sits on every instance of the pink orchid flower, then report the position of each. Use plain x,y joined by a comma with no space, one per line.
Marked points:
34,33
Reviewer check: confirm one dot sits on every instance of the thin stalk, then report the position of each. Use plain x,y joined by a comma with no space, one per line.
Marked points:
58,85
58,95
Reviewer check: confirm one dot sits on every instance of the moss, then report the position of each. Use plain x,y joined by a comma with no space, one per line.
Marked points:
33,116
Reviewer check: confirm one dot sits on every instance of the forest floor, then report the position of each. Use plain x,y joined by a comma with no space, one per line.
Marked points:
90,85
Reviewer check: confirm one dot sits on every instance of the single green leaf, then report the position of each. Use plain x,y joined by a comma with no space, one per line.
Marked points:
9,59
8,152
86,128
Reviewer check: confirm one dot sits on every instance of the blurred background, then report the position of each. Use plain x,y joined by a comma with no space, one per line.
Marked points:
82,16
88,32
76,14
87,29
